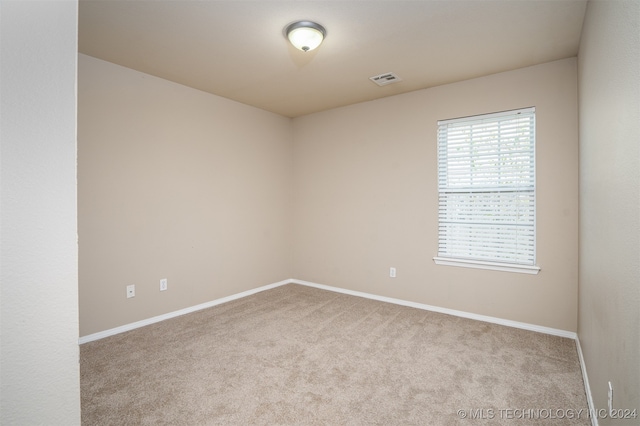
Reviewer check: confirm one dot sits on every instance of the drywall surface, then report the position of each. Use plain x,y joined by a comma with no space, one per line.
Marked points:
609,315
179,184
365,197
39,377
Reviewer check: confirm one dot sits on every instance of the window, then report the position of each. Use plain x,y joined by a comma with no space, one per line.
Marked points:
487,191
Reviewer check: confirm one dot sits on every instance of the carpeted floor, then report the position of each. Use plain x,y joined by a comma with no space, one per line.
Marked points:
297,355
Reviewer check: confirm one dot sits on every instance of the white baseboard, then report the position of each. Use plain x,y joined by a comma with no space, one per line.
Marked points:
138,324
494,320
587,388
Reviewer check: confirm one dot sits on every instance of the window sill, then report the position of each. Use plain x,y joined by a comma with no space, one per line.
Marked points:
479,264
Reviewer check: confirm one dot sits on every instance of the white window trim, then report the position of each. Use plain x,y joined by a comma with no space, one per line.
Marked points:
481,264
484,264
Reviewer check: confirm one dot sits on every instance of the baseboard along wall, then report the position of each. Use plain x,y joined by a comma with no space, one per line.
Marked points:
132,326
462,314
587,388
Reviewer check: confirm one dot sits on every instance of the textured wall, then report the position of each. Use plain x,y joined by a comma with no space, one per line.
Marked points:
365,197
39,378
174,183
609,316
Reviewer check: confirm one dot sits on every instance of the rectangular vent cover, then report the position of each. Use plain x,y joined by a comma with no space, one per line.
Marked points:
384,79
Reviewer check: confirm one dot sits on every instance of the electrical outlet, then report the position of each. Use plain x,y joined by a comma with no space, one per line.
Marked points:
610,399
392,272
131,291
163,284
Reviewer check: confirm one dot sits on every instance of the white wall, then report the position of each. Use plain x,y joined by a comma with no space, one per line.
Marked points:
39,376
609,315
175,183
365,197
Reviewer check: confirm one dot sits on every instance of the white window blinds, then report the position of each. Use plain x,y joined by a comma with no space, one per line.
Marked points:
486,185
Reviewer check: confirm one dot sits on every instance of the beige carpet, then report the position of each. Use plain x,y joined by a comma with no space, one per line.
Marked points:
297,355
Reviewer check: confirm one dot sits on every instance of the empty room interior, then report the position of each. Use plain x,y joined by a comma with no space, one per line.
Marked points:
203,173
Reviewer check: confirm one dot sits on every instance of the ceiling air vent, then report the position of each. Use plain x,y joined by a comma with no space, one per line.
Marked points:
384,79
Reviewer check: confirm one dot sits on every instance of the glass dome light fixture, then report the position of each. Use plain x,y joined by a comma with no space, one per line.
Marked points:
305,35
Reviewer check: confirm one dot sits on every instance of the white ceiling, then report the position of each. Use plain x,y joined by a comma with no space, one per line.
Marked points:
236,48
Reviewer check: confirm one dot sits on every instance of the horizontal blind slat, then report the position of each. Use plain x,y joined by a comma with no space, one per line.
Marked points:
486,184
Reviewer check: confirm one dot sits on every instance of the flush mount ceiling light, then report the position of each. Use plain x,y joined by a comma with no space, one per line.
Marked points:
305,35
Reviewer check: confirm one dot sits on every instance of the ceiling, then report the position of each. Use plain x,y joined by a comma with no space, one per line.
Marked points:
236,48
